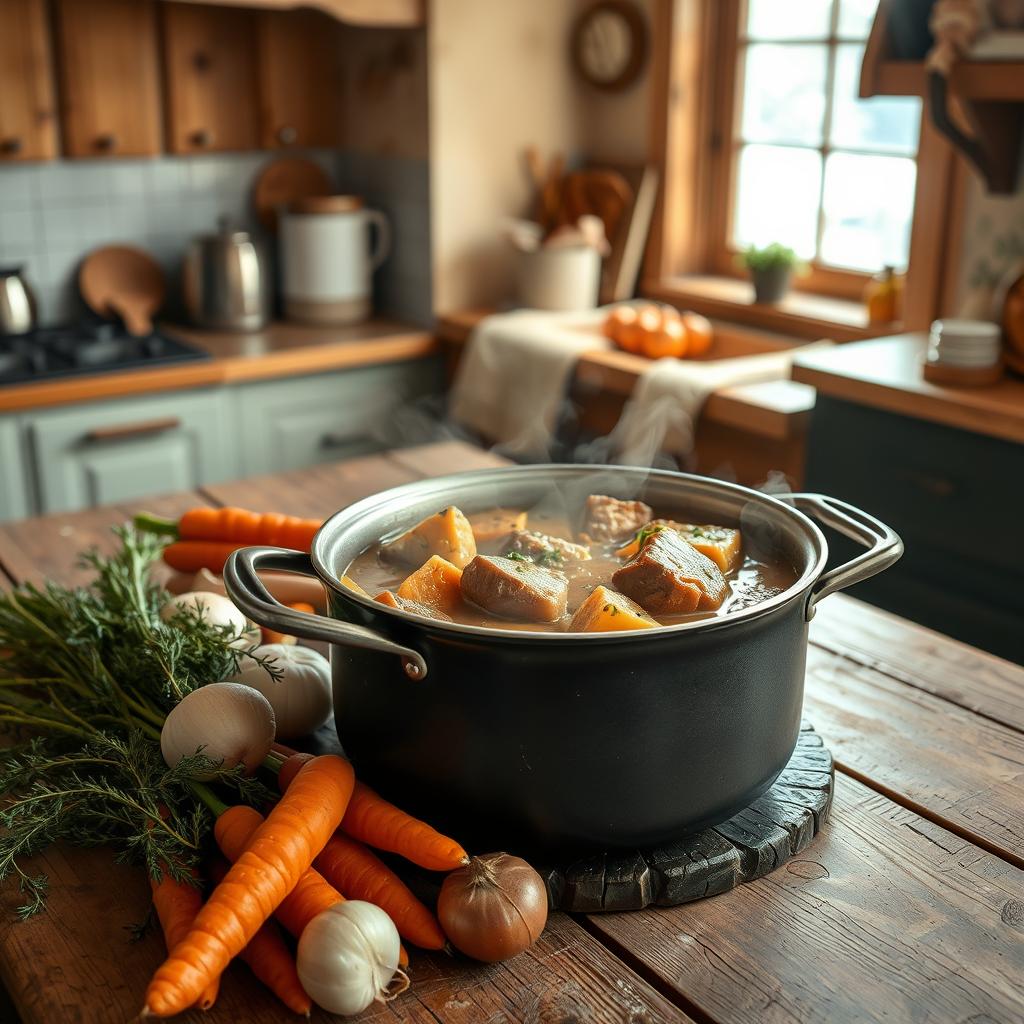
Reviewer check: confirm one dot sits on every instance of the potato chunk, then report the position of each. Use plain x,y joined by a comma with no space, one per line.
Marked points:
447,534
721,544
393,601
347,581
515,589
496,523
609,518
668,576
605,611
543,549
436,583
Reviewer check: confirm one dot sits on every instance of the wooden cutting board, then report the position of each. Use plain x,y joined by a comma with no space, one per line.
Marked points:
120,280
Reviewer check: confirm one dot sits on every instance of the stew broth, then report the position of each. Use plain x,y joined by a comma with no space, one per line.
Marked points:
749,581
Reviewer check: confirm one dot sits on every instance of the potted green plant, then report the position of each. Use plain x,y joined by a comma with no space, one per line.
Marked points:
771,269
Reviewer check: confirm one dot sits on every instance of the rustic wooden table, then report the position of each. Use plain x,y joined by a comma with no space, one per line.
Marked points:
908,907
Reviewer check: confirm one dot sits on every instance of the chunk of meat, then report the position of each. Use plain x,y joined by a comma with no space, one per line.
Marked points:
347,581
605,611
447,533
515,589
723,545
394,601
496,523
668,576
609,518
543,549
437,584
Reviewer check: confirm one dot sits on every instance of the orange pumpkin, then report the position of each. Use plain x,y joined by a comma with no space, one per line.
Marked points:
699,333
668,338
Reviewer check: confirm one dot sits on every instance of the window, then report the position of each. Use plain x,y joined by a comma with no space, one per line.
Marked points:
761,137
813,166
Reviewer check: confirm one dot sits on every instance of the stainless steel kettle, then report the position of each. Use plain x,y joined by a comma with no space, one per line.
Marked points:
17,302
226,280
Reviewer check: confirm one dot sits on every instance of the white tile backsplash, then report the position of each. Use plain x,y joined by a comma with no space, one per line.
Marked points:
52,214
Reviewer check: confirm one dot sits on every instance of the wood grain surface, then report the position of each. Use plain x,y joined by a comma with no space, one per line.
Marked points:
930,661
887,918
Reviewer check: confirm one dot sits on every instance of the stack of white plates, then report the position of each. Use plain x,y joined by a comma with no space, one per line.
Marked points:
971,344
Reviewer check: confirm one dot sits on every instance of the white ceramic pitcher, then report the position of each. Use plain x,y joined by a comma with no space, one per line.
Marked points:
328,258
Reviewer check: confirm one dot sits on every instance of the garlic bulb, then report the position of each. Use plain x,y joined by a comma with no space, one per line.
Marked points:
214,609
301,697
231,723
347,957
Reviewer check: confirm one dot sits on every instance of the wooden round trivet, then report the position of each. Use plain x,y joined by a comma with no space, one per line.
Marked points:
754,842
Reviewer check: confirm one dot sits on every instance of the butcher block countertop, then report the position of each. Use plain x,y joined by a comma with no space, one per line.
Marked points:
886,373
909,906
280,350
773,409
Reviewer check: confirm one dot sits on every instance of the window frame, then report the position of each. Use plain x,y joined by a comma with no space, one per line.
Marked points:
694,111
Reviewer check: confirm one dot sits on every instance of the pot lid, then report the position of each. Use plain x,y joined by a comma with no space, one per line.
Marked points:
326,204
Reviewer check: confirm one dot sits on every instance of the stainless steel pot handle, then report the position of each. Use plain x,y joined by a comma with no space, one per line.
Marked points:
246,589
883,544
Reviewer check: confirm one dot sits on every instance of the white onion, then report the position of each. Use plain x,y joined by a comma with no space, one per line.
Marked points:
232,723
214,609
347,957
301,697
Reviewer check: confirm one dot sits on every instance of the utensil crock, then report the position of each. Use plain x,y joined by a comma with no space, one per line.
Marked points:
562,739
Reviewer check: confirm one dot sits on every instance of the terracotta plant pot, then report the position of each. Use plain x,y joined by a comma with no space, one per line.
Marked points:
772,284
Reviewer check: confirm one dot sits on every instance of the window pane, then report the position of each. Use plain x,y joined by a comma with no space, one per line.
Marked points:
888,123
869,203
777,197
791,19
784,94
855,18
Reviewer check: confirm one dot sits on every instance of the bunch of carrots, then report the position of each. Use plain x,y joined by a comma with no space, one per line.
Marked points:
292,865
204,537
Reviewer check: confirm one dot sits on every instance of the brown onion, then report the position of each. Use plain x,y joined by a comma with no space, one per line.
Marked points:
494,907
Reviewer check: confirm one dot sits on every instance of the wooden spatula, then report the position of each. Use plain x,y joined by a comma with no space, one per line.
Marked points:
123,281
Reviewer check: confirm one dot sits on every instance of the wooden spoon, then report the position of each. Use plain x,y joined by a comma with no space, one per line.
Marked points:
121,280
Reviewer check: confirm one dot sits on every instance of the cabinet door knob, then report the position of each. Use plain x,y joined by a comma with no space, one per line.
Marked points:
107,143
122,431
202,137
10,146
287,135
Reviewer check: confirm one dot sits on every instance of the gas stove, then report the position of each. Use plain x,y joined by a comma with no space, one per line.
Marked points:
87,347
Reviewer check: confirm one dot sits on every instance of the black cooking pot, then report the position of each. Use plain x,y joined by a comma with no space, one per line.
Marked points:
609,739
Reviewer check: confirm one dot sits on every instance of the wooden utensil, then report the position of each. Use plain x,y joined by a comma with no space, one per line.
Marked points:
124,281
284,181
602,192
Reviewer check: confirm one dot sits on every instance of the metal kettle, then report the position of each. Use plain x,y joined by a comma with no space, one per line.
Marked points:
17,303
226,280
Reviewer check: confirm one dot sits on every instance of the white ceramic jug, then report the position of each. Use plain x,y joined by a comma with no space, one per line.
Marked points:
328,260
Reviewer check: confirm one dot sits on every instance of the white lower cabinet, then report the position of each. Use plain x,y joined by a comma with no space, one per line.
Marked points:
15,495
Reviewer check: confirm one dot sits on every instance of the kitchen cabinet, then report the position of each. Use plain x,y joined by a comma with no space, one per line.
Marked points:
301,422
954,496
110,85
211,78
14,478
114,451
300,79
28,129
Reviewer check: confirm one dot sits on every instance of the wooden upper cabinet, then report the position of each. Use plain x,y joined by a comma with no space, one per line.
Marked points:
110,83
300,79
28,129
211,86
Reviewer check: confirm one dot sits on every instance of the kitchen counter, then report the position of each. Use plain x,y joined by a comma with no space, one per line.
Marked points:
776,410
907,907
885,373
281,350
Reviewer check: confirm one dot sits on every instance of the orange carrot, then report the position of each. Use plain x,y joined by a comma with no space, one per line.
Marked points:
279,852
375,822
193,555
176,904
245,527
270,959
312,894
361,875
271,636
